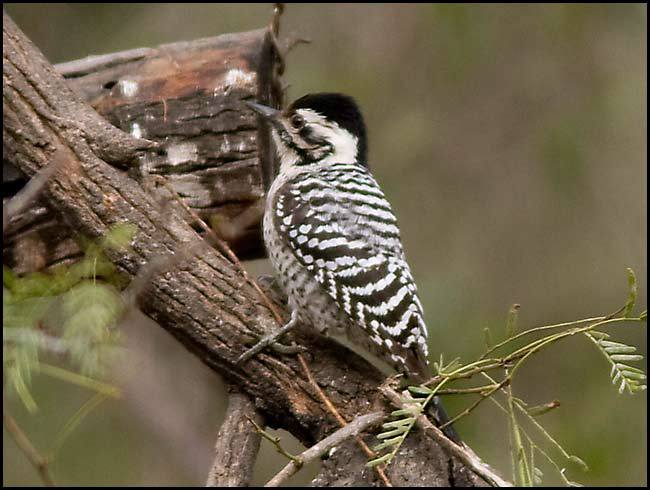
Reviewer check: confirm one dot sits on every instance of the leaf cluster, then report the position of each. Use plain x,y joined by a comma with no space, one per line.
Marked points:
65,316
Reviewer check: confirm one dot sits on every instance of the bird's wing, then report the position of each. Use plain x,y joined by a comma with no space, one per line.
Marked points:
343,230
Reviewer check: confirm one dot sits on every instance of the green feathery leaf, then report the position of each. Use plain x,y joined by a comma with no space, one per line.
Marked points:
628,377
380,460
398,423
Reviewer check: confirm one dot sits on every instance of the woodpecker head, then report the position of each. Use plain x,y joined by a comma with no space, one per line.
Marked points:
318,128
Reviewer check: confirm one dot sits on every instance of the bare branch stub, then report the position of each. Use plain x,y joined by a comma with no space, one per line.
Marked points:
237,444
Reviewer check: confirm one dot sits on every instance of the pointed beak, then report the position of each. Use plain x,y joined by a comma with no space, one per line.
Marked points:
265,111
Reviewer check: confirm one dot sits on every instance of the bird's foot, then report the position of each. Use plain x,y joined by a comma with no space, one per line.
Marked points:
270,340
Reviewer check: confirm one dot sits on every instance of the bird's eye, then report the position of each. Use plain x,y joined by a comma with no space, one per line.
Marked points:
297,121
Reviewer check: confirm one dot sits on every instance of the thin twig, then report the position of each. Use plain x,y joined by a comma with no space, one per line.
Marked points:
549,327
274,31
355,427
94,63
25,445
485,395
28,194
276,442
278,8
292,41
326,401
462,374
463,453
465,391
520,464
538,426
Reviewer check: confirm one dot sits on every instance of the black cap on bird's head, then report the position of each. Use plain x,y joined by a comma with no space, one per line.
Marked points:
341,109
321,127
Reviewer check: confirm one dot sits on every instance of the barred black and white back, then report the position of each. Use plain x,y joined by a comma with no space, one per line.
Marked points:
348,241
333,238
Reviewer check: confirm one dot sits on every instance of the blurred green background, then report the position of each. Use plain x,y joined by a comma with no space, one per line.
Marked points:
511,140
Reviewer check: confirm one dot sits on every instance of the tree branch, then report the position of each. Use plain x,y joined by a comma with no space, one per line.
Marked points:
237,444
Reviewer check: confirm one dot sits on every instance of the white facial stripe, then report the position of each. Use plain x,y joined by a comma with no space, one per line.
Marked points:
311,116
344,144
288,157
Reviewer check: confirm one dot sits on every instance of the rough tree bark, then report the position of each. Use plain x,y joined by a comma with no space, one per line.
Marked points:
237,444
203,300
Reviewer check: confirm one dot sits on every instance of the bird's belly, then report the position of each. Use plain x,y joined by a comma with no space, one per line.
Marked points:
306,296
